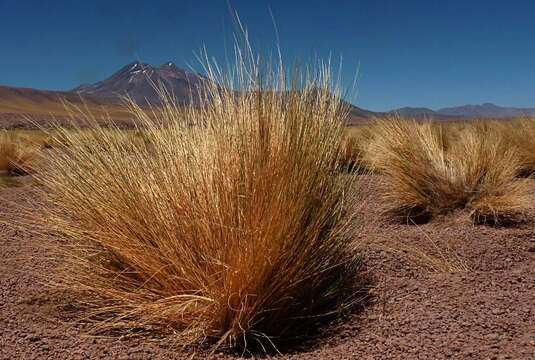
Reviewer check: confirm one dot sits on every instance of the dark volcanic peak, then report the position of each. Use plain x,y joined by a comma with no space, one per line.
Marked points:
138,81
169,65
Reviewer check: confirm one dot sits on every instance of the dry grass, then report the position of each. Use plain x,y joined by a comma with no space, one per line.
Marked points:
57,139
17,153
354,149
228,225
429,172
435,257
520,135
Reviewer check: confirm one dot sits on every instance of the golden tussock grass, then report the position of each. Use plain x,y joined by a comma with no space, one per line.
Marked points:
520,135
227,225
431,171
354,149
17,153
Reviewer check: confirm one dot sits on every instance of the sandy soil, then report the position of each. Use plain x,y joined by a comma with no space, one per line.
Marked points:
470,296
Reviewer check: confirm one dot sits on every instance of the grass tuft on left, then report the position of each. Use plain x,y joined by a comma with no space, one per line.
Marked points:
17,154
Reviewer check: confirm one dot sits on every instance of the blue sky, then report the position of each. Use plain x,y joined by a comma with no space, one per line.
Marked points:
411,52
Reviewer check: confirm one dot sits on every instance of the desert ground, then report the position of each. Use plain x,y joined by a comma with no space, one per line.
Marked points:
470,297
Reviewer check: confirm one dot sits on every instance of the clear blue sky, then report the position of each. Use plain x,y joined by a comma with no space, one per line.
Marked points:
411,52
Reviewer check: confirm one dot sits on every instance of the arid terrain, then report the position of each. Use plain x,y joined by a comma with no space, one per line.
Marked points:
267,180
470,297
260,224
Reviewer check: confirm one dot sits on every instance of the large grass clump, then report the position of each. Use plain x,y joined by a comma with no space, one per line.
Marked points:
228,224
431,169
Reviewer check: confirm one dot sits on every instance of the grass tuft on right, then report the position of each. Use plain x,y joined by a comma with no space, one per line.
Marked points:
432,169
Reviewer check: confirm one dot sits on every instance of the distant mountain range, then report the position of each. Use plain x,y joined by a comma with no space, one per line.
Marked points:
138,81
486,110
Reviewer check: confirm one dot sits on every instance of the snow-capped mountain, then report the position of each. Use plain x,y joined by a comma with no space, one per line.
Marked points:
138,80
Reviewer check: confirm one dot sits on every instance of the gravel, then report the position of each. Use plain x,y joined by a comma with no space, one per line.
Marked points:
472,297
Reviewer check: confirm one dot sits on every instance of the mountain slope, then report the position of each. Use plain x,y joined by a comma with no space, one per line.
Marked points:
486,110
359,115
15,100
43,107
414,112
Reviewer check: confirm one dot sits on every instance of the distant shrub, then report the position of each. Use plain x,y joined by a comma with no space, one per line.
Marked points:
17,155
520,135
354,149
430,171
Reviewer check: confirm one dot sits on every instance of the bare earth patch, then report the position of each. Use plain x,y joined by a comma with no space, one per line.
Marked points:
471,297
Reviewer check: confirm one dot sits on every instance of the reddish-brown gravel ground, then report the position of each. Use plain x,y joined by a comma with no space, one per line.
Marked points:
447,289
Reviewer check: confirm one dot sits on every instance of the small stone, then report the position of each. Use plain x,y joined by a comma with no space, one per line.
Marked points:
34,338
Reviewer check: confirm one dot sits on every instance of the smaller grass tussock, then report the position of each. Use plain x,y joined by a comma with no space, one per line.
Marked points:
354,146
520,135
17,154
429,171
